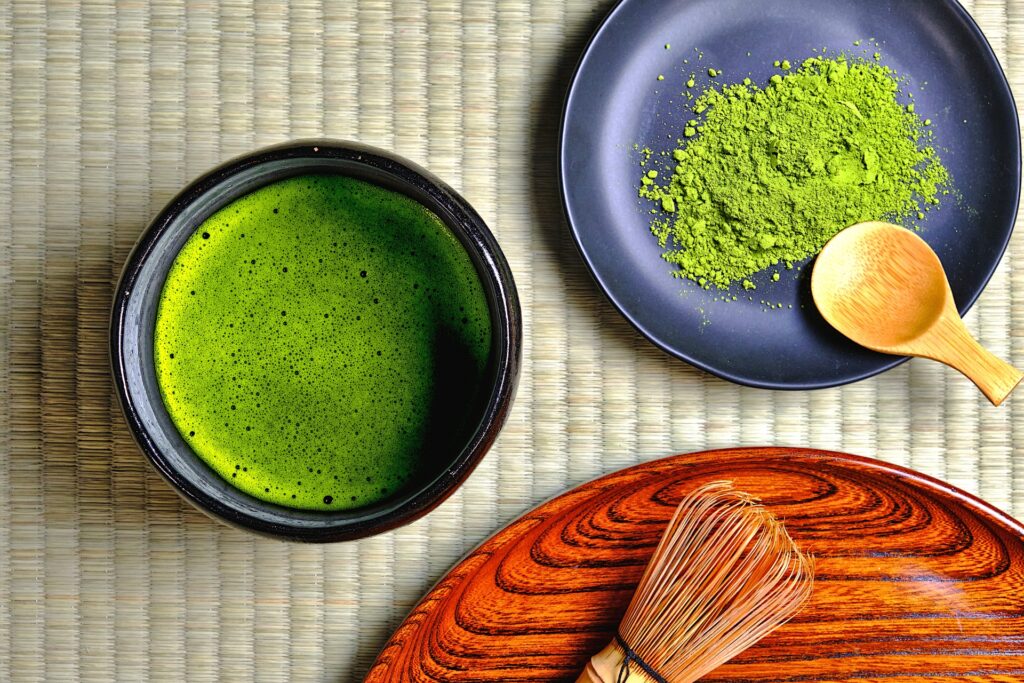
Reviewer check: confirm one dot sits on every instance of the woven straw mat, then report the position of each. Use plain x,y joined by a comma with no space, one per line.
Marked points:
108,109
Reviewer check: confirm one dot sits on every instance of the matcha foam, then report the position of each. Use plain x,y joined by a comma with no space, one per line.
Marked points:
322,343
766,176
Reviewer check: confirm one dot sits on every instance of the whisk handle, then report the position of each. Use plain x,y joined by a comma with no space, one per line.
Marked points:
590,675
604,667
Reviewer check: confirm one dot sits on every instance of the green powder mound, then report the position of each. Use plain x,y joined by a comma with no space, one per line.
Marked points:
770,175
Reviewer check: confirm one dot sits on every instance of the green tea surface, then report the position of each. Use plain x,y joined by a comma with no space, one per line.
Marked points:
322,343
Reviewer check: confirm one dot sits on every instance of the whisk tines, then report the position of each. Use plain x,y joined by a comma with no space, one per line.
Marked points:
725,574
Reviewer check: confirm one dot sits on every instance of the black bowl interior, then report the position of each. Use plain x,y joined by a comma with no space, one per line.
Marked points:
134,317
616,102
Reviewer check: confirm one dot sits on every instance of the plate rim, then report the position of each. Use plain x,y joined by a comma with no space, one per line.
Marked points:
714,369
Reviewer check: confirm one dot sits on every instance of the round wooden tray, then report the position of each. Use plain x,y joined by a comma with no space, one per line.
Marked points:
916,580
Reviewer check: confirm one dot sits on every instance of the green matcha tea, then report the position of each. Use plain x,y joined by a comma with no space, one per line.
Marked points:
322,343
766,176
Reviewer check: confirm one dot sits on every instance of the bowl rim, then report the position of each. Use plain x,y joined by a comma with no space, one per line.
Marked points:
492,268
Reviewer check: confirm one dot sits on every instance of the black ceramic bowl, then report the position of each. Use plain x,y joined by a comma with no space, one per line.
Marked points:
134,311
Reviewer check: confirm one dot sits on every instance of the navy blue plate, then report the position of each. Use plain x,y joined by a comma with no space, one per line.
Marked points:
616,101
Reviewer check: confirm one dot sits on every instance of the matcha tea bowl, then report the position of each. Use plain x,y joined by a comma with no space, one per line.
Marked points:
318,341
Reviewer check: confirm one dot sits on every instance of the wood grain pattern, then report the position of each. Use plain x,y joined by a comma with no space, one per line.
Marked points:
916,581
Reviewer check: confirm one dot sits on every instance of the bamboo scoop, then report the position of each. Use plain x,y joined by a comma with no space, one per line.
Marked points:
883,287
724,575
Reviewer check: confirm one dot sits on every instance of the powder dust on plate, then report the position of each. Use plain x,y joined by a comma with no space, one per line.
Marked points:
766,176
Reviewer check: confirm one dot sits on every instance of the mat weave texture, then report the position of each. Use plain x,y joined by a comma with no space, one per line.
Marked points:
107,109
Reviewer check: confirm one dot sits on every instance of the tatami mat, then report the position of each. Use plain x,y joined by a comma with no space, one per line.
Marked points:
107,109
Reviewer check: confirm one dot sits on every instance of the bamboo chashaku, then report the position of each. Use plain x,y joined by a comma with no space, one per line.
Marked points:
725,574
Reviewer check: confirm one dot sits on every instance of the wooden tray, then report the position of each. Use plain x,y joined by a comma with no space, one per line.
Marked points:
917,581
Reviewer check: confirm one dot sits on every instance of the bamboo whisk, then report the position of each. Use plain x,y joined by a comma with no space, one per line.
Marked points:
724,575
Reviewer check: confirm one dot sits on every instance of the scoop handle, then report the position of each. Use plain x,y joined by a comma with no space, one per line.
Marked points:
958,349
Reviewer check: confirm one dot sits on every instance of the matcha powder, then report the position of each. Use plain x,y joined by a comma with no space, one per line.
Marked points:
770,175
